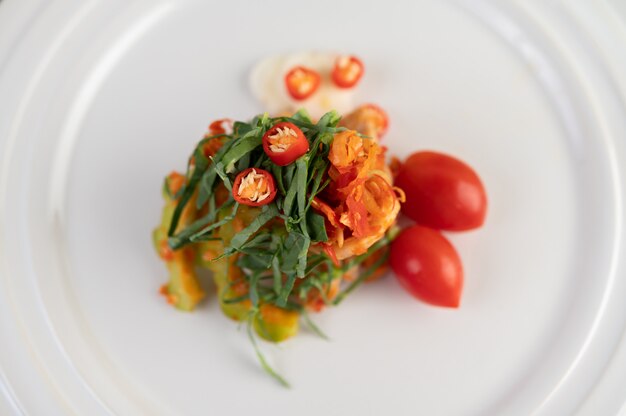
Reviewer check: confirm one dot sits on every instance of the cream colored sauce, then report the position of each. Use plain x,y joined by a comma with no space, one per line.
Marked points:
267,82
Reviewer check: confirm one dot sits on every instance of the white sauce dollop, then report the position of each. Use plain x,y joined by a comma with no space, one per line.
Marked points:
267,82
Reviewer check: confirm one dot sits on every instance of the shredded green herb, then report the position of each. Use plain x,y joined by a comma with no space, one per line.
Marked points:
274,248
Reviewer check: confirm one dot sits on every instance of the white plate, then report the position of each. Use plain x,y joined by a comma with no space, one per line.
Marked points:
100,99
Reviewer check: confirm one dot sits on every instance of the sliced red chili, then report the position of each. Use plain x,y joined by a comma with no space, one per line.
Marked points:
302,82
367,119
347,71
212,146
284,143
330,252
254,187
357,216
221,126
325,209
377,116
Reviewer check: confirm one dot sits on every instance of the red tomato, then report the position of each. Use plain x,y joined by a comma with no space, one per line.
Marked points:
347,71
284,143
442,192
302,82
254,187
427,266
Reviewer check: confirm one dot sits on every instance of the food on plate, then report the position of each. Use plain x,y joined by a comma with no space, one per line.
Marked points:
254,187
442,192
284,143
292,212
302,221
278,85
302,82
369,119
427,266
347,71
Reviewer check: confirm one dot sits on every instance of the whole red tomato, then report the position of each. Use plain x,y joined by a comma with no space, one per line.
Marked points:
427,266
442,192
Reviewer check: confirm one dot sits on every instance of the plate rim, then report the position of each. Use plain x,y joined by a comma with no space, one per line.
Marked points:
621,346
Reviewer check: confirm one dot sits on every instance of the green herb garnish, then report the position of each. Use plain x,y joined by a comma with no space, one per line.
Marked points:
273,247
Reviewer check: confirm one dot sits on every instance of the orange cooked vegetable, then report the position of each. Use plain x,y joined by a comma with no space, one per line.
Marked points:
365,201
369,119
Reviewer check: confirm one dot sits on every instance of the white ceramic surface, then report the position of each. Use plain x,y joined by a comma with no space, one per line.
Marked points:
100,99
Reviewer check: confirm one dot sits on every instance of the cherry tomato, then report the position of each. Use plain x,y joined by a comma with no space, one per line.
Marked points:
442,192
254,187
347,71
284,143
302,82
427,266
